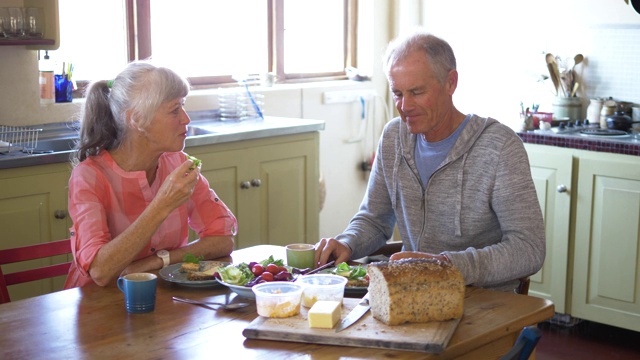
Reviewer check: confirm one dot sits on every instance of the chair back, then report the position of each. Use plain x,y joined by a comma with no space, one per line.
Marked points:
32,252
525,344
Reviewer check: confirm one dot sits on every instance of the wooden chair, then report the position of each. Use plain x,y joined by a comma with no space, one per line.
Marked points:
32,252
395,246
525,344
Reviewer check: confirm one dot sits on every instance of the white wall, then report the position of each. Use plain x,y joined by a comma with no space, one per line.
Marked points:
500,48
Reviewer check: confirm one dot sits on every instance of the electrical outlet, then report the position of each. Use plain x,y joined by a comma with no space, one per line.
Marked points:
347,96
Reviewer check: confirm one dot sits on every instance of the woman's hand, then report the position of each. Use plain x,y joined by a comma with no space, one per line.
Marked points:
178,186
332,249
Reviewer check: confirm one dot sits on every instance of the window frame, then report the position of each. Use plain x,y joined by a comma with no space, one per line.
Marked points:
139,42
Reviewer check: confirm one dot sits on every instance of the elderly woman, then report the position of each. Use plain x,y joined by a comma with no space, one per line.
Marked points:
133,193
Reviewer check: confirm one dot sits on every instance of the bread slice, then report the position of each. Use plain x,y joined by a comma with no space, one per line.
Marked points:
189,267
415,291
206,271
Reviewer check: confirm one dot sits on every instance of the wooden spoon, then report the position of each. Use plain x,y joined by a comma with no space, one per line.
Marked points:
554,73
577,59
575,88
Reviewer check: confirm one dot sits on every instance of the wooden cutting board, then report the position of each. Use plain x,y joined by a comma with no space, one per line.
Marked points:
368,332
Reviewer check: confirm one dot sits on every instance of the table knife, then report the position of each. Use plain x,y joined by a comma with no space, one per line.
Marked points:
355,314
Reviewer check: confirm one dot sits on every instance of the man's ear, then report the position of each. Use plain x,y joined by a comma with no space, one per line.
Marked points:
452,81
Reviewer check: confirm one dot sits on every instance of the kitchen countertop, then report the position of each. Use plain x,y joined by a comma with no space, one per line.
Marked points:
628,145
204,130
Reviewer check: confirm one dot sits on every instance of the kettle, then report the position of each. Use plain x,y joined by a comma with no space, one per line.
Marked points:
620,121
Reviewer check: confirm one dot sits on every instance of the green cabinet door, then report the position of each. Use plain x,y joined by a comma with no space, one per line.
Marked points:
551,169
271,185
606,271
33,210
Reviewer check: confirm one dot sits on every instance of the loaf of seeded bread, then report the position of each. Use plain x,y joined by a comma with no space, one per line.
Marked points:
415,291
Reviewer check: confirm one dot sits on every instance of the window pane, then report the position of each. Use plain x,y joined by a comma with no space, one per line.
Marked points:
313,36
93,37
207,38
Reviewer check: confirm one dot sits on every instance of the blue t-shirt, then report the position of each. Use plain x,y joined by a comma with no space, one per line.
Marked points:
429,155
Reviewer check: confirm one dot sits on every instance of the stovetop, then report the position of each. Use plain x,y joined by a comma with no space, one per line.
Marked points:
585,129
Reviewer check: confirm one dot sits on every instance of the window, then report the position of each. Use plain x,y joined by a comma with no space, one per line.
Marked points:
209,41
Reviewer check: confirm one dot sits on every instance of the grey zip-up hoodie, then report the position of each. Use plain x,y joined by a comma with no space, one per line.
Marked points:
479,208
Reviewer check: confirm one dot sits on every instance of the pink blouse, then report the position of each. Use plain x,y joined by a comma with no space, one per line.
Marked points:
104,200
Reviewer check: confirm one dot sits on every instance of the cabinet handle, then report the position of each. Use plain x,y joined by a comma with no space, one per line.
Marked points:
60,214
245,185
256,182
561,188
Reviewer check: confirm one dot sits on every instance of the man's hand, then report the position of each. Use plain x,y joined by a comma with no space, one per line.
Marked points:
332,249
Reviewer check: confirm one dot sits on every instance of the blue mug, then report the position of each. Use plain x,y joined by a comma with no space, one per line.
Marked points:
139,292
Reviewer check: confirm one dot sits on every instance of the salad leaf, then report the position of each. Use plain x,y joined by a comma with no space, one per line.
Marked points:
350,272
190,258
241,274
271,260
236,274
196,162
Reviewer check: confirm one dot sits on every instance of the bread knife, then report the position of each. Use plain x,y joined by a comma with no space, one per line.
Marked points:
355,314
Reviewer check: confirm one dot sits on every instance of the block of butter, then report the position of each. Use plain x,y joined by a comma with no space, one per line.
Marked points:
324,314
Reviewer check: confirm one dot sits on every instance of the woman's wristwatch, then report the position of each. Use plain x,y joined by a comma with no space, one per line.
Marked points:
164,255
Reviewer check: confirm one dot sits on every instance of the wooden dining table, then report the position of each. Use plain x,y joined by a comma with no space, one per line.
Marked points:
91,323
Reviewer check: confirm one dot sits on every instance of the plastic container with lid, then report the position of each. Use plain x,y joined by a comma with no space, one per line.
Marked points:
278,299
327,287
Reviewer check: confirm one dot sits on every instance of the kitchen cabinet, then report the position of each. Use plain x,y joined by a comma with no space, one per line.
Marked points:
33,210
270,184
606,275
591,206
552,179
51,33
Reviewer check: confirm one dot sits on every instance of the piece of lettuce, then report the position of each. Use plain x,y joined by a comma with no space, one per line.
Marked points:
350,272
236,274
196,162
190,258
271,260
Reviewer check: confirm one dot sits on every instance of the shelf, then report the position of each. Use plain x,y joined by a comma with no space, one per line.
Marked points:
4,42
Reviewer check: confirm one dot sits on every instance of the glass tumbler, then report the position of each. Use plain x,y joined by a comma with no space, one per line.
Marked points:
13,23
33,23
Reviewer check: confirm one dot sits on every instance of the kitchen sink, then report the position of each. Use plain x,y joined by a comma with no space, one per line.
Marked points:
55,145
197,131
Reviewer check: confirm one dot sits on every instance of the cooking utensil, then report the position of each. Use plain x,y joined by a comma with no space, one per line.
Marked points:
577,59
554,73
355,314
575,88
620,121
636,5
233,306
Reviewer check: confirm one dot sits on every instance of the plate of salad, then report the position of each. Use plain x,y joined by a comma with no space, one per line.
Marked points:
241,277
358,280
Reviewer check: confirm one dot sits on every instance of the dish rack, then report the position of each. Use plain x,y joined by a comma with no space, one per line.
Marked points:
14,138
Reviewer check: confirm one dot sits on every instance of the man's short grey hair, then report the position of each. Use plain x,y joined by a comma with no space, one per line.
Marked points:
438,52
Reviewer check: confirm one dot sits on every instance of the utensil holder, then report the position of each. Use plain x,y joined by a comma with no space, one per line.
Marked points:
567,107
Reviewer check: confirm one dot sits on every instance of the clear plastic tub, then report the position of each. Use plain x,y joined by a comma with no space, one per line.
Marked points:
278,299
322,287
